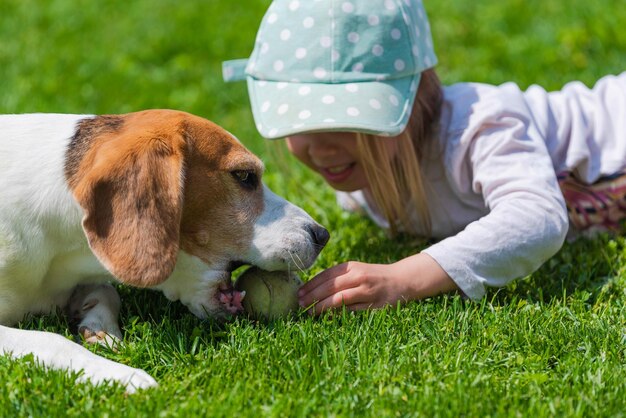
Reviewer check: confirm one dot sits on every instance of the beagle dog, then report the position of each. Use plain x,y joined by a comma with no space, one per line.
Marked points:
156,199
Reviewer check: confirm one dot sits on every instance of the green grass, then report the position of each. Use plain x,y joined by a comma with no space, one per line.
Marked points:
552,344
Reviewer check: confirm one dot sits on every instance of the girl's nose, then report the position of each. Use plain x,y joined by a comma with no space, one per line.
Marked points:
323,149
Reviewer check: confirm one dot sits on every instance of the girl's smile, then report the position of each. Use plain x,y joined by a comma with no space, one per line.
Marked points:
337,174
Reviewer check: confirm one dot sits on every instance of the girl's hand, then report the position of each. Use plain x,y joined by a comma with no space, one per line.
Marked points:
362,286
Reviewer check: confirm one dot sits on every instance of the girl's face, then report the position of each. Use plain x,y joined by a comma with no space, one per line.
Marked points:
333,155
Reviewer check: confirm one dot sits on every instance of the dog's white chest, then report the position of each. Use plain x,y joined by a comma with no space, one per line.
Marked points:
43,251
56,280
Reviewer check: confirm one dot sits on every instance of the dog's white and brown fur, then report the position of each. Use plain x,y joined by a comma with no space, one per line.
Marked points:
159,199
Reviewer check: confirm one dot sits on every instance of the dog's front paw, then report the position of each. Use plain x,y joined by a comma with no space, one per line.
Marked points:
100,337
108,371
138,379
93,311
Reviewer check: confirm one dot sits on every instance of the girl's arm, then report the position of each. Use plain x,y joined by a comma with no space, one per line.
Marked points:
506,161
362,286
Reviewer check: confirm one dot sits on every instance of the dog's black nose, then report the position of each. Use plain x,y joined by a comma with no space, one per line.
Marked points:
320,235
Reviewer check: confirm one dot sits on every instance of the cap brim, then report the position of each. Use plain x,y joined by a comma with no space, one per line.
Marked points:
381,108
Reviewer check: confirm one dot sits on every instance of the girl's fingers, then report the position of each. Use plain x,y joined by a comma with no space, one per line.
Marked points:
327,289
323,285
322,278
348,297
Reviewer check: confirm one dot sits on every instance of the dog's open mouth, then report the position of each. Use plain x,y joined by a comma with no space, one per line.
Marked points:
230,298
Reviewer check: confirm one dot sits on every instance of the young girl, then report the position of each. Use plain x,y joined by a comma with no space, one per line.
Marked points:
498,174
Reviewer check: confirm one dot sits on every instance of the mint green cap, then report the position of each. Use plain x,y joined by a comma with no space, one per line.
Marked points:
336,65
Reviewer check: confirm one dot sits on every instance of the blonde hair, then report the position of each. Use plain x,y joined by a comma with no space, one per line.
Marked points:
396,182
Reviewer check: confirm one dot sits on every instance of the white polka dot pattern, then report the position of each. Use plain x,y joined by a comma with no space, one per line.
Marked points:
353,37
340,64
358,67
319,73
305,30
353,111
375,104
285,34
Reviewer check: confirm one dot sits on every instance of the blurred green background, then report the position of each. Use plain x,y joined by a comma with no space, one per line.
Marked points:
118,56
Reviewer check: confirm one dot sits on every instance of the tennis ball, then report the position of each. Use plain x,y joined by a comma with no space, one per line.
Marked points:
269,294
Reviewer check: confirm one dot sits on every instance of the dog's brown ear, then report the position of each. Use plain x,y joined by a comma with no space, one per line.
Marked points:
130,187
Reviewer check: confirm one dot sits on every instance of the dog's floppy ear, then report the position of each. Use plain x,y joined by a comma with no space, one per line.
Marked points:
130,185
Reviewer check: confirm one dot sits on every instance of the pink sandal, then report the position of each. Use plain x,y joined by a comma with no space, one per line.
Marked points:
599,206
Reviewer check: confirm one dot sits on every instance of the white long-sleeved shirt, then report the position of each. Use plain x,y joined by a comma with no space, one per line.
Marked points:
491,187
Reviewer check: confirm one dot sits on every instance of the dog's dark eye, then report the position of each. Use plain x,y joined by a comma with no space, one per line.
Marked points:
247,179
